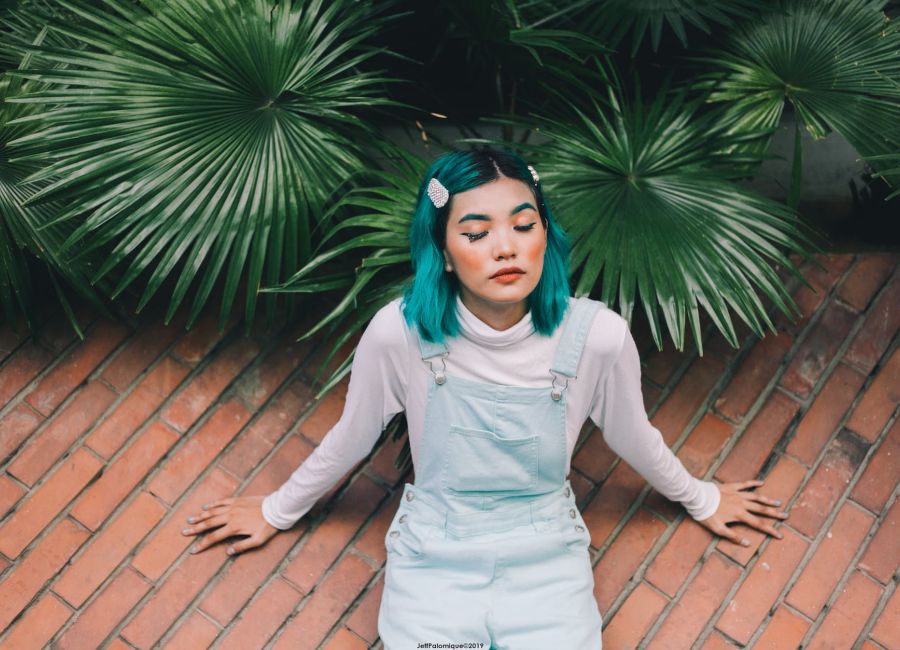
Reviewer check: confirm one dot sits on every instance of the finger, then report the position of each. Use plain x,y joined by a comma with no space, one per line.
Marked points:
729,533
206,514
766,510
218,502
212,538
244,545
762,498
759,524
752,483
206,524
748,518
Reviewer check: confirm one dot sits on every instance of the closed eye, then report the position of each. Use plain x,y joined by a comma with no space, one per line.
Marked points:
475,236
525,228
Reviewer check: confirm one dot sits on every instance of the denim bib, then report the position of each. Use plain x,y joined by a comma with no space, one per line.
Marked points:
487,446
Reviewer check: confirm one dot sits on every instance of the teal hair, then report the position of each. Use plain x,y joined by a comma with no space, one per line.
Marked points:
430,301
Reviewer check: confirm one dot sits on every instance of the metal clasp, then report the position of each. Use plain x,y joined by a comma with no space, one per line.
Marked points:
440,376
557,391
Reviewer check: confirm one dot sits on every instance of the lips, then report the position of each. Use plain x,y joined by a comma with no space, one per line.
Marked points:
509,270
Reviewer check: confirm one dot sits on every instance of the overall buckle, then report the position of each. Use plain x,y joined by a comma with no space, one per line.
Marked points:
557,391
439,375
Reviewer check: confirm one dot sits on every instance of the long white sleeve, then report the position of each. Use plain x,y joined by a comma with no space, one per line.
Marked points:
620,414
375,394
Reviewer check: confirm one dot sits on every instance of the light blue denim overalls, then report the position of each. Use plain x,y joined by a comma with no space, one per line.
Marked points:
488,548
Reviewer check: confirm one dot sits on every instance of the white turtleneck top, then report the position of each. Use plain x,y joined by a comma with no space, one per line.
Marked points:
388,376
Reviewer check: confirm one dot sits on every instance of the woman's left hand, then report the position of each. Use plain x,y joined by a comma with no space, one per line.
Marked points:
743,506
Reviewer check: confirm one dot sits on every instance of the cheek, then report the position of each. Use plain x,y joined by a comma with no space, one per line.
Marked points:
464,257
534,252
468,260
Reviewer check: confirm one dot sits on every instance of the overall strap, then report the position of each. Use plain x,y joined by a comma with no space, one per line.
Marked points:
430,350
571,344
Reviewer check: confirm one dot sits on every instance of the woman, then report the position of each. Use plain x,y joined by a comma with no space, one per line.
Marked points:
497,368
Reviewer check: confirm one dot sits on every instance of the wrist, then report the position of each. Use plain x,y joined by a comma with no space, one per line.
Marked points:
710,503
270,516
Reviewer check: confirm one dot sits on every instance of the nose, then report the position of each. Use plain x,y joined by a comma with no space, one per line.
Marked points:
504,246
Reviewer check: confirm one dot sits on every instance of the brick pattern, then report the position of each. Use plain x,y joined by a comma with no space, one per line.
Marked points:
108,444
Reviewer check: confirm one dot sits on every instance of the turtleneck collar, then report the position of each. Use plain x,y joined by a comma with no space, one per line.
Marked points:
481,333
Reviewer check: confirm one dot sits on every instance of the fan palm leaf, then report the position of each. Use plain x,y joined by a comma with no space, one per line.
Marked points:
650,203
836,61
22,232
891,169
20,23
377,234
200,139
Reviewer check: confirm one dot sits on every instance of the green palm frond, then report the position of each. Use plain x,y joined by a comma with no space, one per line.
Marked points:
613,20
650,203
201,140
376,234
23,231
891,169
20,23
509,33
836,61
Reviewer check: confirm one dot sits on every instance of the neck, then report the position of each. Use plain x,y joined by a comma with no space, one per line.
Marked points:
498,316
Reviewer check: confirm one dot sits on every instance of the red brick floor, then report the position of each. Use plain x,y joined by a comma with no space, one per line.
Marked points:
106,445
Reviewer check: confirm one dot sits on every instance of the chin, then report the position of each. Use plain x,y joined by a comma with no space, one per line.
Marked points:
510,297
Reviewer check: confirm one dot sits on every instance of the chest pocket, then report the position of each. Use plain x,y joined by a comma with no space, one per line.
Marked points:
482,461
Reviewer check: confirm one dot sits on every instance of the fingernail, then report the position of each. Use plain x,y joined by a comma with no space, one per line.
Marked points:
777,502
185,531
780,536
205,506
194,549
190,520
230,551
745,542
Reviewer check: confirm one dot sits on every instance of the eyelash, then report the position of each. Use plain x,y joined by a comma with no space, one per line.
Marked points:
475,236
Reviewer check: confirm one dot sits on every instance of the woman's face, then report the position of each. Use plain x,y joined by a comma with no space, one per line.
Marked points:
495,245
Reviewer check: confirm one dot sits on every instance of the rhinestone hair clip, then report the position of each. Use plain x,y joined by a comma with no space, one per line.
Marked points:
534,174
438,193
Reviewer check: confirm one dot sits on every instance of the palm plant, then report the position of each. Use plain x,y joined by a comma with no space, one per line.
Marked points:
648,196
22,232
891,169
382,203
837,62
200,139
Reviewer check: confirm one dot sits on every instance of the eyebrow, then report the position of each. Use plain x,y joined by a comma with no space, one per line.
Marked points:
484,217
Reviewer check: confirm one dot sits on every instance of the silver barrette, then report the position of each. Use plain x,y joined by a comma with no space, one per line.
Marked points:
534,174
438,193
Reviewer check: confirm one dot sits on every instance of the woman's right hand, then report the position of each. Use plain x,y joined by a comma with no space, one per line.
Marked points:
231,516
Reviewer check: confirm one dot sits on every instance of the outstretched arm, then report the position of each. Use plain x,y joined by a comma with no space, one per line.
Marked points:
620,413
375,394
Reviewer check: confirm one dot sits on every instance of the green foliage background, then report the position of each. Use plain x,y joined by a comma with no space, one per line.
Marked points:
223,148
